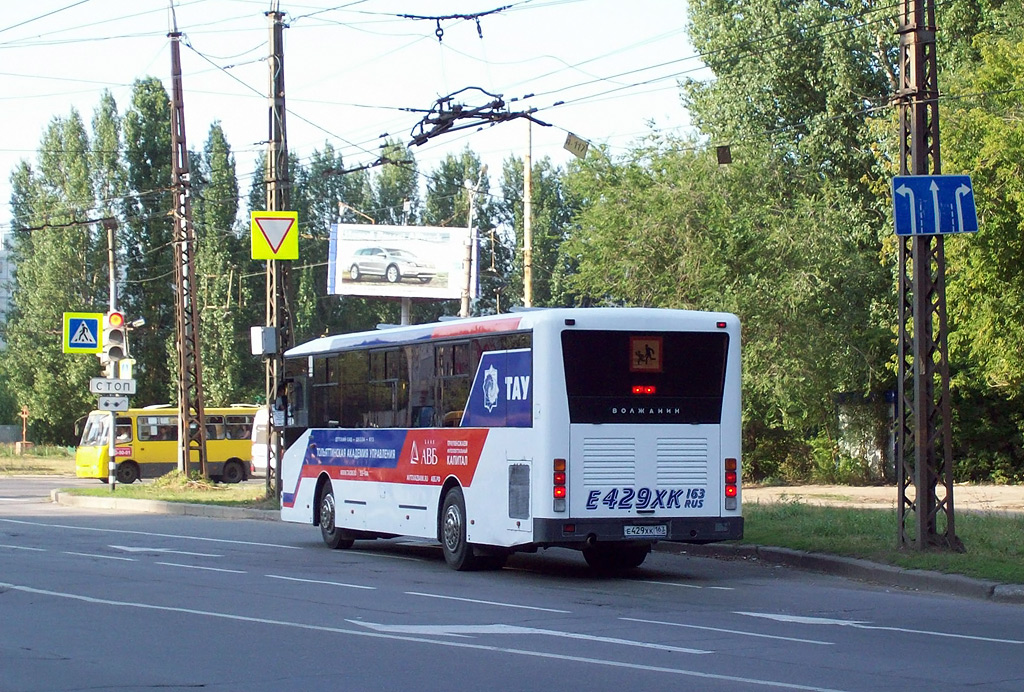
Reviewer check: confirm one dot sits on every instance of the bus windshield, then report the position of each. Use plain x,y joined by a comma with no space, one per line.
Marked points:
97,430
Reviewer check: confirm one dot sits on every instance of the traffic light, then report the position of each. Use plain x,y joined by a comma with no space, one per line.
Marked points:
115,339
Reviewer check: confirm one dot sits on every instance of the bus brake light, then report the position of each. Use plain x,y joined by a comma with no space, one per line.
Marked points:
559,478
644,389
731,483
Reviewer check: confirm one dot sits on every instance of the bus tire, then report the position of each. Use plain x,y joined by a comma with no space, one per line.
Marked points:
458,553
127,472
334,537
612,558
233,472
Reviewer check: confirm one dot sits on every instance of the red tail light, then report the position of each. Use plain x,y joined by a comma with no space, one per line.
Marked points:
559,478
644,389
731,483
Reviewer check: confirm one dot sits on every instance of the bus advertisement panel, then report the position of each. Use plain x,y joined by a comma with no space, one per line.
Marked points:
146,443
604,430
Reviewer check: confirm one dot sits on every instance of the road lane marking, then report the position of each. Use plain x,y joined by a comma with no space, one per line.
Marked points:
105,557
22,547
468,630
684,586
493,603
149,533
208,569
319,581
682,672
862,625
133,549
725,631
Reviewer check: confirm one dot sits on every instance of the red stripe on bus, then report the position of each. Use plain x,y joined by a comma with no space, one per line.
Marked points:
429,457
509,324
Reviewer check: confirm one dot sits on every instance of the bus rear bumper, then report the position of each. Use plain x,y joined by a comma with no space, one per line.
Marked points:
575,532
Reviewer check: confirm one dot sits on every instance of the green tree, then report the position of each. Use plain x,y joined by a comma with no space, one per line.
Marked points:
60,268
224,338
147,236
983,136
668,227
447,204
551,216
798,75
394,197
323,191
108,174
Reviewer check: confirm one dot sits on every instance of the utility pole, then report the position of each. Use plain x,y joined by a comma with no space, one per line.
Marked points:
278,190
924,435
528,218
467,259
191,407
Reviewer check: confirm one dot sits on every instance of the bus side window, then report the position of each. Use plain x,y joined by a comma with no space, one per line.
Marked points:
124,431
422,417
214,427
239,427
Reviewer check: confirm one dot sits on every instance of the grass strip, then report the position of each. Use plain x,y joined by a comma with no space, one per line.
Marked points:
994,549
175,487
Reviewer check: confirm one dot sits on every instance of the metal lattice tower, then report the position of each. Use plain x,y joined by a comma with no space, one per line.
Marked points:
192,426
924,433
278,188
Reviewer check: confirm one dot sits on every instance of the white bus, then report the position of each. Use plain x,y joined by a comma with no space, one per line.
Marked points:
600,429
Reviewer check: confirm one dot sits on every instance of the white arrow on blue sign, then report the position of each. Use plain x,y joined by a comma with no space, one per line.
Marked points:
933,204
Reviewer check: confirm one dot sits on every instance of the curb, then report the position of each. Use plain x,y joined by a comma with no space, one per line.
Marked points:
847,567
124,504
855,568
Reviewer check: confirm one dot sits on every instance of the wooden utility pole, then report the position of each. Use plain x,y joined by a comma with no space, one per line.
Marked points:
924,432
278,191
191,418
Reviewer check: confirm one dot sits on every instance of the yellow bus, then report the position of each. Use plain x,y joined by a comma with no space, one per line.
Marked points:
146,443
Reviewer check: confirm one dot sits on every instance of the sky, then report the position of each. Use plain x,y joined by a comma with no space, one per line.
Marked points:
604,70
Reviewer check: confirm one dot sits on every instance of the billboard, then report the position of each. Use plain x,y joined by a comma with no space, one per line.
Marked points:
397,261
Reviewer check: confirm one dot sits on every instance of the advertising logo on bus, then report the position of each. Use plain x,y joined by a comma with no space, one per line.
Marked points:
502,394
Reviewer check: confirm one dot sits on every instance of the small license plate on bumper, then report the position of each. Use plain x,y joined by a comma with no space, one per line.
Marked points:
657,531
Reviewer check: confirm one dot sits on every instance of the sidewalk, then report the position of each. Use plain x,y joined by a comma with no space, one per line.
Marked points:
967,498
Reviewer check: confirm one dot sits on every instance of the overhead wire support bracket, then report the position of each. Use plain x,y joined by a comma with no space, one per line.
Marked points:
439,32
446,112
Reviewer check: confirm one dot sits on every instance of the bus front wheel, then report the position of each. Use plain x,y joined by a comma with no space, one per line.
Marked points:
333,536
127,472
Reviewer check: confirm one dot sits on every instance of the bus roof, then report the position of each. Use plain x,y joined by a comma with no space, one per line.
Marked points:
653,318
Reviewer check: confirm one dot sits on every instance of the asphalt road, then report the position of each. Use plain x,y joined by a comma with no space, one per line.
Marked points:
102,600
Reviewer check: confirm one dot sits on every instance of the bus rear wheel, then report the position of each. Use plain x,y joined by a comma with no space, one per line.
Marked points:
233,472
127,472
458,553
334,537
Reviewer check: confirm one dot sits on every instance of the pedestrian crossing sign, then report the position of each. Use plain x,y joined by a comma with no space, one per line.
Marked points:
83,332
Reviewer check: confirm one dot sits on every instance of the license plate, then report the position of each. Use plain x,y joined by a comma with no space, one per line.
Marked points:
659,531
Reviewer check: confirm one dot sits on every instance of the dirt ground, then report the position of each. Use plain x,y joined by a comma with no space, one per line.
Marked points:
991,498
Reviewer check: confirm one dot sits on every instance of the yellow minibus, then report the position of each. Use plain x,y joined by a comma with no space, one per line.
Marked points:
146,443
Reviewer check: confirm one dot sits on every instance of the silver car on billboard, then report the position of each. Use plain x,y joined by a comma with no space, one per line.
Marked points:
390,263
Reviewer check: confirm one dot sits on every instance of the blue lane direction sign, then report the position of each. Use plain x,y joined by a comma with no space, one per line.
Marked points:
933,204
83,332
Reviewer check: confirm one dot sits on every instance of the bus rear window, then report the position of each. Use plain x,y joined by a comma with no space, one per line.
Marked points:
644,377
